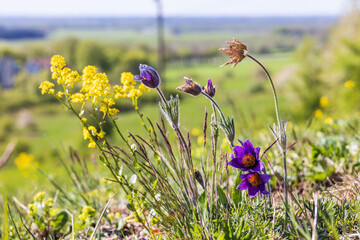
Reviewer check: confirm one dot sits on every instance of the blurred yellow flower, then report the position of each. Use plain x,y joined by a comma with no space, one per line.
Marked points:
324,101
195,132
318,113
39,197
290,124
225,145
349,84
25,161
328,120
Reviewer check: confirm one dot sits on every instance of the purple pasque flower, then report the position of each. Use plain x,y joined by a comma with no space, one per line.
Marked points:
246,157
254,182
148,76
210,89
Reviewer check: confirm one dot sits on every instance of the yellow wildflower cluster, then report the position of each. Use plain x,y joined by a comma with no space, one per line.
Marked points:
47,87
87,214
94,88
128,89
42,207
91,133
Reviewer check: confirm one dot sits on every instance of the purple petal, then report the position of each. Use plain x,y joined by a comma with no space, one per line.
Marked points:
242,144
244,176
253,191
137,78
265,177
259,166
239,152
249,147
262,189
235,163
146,75
243,185
257,151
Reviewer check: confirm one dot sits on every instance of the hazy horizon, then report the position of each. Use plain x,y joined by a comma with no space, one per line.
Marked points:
172,8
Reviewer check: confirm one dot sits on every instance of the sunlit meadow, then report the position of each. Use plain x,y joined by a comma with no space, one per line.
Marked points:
227,152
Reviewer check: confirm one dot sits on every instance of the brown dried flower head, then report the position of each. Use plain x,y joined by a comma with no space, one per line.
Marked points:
190,87
236,50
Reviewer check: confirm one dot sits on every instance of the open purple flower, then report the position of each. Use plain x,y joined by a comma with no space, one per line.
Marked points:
148,76
254,183
210,89
246,157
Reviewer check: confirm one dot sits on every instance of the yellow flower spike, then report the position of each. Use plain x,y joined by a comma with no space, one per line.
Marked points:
324,101
86,134
60,94
47,87
318,113
113,111
92,144
58,61
77,98
127,78
143,88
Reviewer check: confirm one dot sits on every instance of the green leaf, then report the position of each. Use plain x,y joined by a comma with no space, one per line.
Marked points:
222,196
155,183
236,194
221,236
60,221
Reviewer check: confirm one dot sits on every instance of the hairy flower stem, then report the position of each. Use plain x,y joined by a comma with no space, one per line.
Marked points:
272,86
185,146
282,132
214,104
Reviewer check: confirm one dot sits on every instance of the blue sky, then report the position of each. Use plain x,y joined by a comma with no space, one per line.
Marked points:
120,8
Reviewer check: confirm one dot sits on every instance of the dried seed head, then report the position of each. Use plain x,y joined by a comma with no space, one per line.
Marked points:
236,50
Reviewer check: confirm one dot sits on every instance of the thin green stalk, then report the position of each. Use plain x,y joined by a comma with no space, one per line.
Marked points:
272,86
281,129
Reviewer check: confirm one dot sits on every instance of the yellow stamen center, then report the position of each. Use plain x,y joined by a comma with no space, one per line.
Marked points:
248,160
254,179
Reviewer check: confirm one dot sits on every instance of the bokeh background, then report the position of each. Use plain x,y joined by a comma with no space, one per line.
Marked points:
311,48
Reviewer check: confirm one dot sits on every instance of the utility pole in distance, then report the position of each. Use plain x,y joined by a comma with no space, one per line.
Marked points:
160,42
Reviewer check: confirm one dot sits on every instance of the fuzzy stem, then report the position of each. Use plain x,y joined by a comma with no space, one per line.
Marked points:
282,131
214,104
273,88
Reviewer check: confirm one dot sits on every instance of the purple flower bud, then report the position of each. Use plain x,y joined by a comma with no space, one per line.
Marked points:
190,87
210,89
148,76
